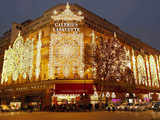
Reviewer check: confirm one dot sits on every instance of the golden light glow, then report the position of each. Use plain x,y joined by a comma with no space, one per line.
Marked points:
67,49
129,58
134,66
18,60
158,69
142,77
68,15
148,71
94,45
38,59
158,64
153,71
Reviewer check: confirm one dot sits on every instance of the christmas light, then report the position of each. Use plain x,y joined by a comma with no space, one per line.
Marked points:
50,65
38,58
18,60
158,69
148,71
153,71
142,77
67,15
128,57
67,49
134,66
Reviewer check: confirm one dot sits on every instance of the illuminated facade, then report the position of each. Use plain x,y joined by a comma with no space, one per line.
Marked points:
56,50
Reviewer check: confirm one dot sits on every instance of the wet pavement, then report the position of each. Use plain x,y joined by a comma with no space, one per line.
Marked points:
148,115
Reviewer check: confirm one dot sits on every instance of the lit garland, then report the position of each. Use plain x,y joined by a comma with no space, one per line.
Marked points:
141,70
148,71
50,65
17,60
67,15
128,57
112,60
93,45
159,64
67,52
31,59
153,72
134,66
158,67
38,58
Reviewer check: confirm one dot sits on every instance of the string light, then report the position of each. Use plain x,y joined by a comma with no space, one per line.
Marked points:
67,49
67,15
148,71
153,71
38,58
141,70
134,66
18,60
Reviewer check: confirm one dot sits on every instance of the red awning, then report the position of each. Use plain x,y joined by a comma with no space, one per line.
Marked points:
74,88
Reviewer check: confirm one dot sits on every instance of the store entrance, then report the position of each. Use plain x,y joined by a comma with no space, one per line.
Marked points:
32,102
65,99
79,102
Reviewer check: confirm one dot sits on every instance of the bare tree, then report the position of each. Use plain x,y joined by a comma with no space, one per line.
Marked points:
111,65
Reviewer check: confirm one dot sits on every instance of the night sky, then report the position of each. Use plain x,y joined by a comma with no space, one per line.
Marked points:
140,18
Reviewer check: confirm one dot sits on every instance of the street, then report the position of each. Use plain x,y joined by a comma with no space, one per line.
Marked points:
148,115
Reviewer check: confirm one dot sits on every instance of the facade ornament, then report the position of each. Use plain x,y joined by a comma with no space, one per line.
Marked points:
115,35
67,15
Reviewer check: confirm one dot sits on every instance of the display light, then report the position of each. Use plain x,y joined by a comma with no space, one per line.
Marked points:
67,15
148,71
155,82
134,66
38,58
67,49
18,60
141,70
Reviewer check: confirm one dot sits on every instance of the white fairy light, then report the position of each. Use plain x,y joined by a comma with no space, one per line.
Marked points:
31,60
18,60
128,56
134,66
67,49
158,68
148,71
38,58
50,65
94,45
153,71
141,70
67,15
66,71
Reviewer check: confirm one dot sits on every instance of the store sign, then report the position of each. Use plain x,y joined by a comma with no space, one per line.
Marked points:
66,27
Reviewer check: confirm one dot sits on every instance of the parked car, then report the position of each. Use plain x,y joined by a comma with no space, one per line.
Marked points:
111,107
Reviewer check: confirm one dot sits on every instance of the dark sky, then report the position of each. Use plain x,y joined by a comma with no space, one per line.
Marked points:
140,18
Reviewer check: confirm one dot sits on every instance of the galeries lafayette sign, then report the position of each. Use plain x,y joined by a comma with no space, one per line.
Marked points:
66,27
